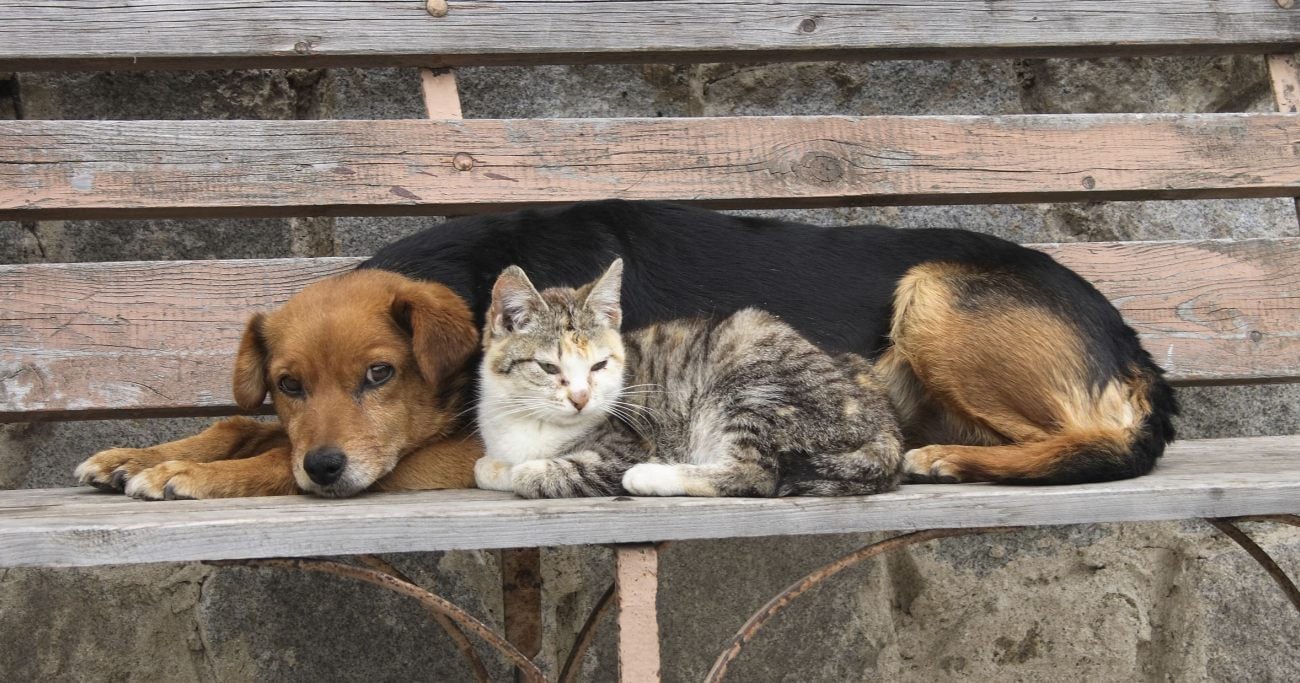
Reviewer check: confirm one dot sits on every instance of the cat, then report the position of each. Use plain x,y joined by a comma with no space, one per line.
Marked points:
737,406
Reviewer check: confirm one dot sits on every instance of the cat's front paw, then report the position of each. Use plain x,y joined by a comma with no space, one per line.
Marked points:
528,478
654,479
492,474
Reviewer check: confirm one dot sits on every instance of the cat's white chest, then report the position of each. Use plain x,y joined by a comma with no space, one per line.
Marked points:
515,441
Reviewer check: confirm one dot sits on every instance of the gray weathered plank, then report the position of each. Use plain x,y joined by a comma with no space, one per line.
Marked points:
85,169
97,34
157,338
70,527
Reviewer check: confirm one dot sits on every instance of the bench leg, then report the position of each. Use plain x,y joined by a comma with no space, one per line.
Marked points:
637,580
521,597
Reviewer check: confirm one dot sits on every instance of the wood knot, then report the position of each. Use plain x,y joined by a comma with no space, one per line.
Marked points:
303,47
462,161
820,167
437,8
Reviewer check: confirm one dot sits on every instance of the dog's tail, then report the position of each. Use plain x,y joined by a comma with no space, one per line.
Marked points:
1102,450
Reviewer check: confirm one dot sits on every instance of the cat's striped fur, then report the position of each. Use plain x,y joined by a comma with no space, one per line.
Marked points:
738,406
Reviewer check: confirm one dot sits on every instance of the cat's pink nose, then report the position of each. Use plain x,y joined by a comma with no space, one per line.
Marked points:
579,398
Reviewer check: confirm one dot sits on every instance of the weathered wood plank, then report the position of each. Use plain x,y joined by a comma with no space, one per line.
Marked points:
71,527
95,34
129,339
158,338
80,169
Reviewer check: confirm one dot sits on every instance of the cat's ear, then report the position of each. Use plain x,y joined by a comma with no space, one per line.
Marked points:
514,302
603,297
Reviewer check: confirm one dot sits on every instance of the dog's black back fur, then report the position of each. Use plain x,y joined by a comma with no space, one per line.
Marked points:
833,284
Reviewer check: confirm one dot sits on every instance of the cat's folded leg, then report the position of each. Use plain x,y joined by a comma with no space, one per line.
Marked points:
737,478
580,474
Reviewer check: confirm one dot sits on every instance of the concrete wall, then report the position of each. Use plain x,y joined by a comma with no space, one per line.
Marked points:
1098,602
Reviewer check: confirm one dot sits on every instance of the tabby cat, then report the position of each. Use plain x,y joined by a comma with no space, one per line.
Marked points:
741,406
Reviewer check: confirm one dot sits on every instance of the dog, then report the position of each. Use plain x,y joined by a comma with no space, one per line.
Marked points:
368,374
1003,365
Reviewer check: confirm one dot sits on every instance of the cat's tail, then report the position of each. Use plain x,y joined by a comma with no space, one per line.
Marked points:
873,468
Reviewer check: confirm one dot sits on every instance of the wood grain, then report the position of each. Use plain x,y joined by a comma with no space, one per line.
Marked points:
132,339
97,34
80,527
84,169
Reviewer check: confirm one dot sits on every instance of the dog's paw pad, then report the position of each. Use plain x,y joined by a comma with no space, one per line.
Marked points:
109,470
167,481
928,466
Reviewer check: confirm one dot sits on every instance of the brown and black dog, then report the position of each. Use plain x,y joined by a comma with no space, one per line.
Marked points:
1003,364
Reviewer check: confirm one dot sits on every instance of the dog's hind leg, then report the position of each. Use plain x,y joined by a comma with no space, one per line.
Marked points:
1007,389
231,438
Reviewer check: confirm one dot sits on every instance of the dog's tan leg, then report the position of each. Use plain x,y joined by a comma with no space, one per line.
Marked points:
446,464
236,437
266,474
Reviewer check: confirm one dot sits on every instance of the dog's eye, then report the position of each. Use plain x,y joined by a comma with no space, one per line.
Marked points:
599,366
548,368
378,374
290,386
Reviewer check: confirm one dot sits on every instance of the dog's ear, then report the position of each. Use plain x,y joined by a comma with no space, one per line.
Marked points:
603,296
250,385
514,301
441,327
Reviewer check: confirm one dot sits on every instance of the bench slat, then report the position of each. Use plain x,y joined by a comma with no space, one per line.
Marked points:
153,339
80,527
95,169
96,34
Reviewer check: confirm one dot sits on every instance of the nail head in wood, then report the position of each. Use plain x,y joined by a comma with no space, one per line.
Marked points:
462,161
437,8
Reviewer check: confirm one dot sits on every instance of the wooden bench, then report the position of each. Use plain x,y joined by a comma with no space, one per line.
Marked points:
121,340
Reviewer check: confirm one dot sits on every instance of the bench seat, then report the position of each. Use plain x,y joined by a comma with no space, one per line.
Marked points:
81,527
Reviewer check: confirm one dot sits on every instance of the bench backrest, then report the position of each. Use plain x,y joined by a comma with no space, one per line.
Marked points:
80,341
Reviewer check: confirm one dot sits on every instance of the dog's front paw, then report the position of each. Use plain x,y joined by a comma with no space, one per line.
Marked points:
929,465
110,470
654,479
174,480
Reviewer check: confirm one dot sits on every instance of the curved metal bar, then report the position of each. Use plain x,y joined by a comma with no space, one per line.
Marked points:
1293,520
1262,557
530,672
453,631
585,636
794,590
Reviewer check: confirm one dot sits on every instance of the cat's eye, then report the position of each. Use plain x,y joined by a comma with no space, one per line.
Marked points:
290,386
548,368
378,373
599,366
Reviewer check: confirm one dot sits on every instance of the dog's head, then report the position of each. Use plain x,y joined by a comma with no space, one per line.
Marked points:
362,368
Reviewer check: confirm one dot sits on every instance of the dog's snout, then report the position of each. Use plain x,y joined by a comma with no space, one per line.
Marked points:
325,465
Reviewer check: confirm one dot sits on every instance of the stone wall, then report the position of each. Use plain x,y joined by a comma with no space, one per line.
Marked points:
1097,602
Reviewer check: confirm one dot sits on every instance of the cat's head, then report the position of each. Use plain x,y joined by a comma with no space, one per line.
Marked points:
554,355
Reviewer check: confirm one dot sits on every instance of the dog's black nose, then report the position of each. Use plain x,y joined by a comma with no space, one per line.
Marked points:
325,465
